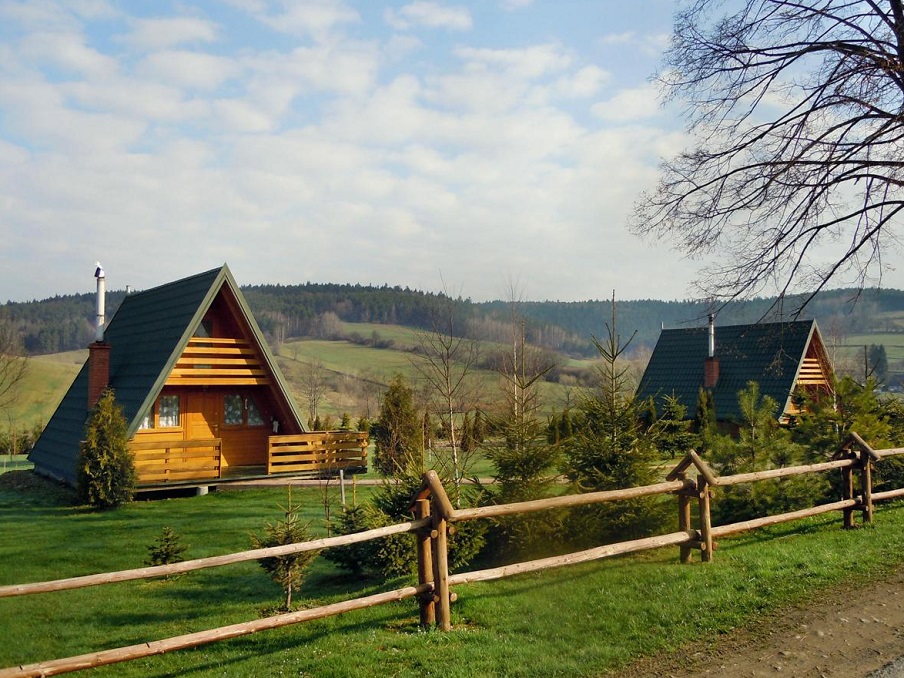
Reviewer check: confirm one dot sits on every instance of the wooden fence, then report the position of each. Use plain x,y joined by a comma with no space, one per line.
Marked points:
435,516
322,453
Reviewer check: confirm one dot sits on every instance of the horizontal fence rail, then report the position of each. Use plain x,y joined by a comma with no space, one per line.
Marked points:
434,518
212,561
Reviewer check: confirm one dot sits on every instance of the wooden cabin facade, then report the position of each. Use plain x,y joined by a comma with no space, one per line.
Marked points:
204,398
785,359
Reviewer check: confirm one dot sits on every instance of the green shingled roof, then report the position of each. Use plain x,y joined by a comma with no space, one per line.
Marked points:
147,335
768,353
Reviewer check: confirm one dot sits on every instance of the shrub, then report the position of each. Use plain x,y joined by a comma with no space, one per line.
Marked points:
396,555
105,468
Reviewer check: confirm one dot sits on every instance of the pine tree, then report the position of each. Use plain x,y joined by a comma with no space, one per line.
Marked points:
611,449
105,468
288,570
675,436
168,548
396,432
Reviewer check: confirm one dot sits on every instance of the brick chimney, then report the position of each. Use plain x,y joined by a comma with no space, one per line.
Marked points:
99,351
711,364
98,371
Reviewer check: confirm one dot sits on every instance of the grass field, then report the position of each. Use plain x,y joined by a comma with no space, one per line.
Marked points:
45,383
577,621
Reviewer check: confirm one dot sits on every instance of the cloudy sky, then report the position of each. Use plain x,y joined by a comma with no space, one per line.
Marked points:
422,143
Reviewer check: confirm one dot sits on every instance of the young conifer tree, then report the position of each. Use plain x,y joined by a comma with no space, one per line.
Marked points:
105,468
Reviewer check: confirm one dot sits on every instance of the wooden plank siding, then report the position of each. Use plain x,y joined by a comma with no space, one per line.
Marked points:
812,374
162,461
220,361
321,453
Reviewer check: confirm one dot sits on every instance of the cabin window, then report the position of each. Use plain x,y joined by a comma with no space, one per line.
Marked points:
168,411
254,414
164,414
147,421
239,410
233,410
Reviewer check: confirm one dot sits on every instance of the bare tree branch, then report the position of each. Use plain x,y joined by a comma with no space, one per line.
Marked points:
13,362
795,177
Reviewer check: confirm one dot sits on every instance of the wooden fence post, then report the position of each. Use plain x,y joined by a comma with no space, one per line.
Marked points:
706,525
866,486
847,492
441,572
425,564
684,519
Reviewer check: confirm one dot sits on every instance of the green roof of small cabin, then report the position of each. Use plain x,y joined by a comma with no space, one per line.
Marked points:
770,354
147,335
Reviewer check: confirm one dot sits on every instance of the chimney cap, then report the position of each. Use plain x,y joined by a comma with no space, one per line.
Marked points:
99,272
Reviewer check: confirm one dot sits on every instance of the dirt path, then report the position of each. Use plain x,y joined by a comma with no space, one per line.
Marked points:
851,632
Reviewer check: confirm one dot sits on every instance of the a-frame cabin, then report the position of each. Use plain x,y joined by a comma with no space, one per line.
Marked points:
201,391
783,358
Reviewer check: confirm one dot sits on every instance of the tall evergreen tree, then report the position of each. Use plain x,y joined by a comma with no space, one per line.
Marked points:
611,449
397,431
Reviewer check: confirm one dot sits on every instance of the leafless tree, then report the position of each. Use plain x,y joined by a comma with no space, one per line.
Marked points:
794,176
13,362
446,360
313,383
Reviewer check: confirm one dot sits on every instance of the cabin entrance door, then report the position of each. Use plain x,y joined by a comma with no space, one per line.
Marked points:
203,415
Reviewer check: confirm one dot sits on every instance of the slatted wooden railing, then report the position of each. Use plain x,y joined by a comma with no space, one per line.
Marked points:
177,460
322,453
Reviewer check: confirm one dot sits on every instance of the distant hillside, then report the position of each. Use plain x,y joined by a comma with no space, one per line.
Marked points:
64,323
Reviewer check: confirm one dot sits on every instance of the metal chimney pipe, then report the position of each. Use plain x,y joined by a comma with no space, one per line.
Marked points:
712,335
101,293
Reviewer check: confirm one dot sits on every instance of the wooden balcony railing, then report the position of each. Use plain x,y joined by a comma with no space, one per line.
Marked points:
322,453
177,460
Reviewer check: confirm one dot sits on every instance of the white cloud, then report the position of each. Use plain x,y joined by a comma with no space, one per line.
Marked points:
583,83
511,5
528,63
157,34
192,70
649,44
309,18
639,103
134,99
67,51
238,115
427,14
49,15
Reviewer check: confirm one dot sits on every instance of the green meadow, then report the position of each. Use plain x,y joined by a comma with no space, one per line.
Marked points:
583,620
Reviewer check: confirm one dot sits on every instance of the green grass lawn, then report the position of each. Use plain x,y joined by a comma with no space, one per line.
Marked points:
576,621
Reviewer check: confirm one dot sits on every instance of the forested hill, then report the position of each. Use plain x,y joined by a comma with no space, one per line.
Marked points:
283,311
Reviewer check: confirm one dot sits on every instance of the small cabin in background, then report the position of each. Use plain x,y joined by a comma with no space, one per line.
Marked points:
200,389
783,358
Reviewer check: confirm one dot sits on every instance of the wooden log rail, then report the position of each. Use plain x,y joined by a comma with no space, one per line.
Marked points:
322,453
174,460
855,454
435,518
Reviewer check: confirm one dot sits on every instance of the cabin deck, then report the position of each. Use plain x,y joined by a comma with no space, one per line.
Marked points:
181,463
